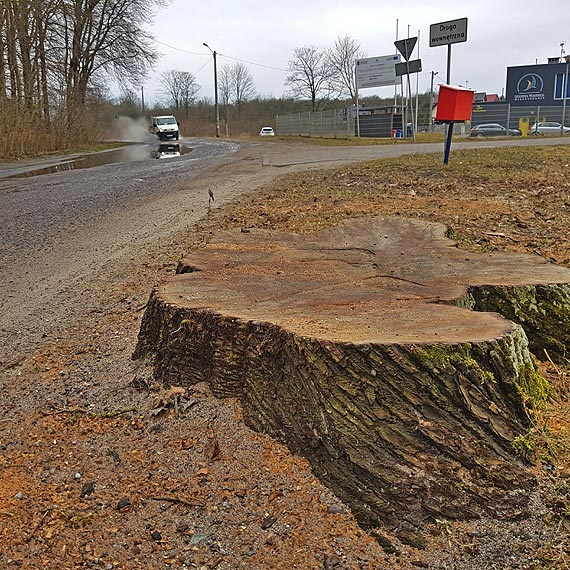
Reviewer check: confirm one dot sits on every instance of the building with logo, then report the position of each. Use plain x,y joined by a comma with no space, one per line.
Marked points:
537,84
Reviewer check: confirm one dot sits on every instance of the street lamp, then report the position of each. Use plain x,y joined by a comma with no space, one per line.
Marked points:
564,93
215,90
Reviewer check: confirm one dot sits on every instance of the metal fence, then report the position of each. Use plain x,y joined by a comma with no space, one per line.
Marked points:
340,123
333,123
515,117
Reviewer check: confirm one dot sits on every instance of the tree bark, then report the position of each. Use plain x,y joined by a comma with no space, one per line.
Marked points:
357,348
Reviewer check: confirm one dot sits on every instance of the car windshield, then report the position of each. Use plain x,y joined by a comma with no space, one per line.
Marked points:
165,121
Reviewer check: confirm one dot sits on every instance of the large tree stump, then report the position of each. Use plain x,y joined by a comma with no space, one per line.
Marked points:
359,348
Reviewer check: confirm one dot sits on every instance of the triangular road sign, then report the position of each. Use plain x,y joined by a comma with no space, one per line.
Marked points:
406,47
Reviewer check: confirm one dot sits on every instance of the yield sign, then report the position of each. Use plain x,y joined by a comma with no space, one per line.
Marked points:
406,47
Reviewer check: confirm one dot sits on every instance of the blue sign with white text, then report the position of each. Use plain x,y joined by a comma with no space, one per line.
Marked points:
537,84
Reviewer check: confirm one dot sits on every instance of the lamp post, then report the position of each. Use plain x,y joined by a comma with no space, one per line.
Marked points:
564,94
215,90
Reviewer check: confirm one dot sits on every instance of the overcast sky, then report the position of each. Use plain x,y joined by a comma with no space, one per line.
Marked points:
264,32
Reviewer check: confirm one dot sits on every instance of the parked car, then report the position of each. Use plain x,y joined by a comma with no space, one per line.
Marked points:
266,132
493,130
548,128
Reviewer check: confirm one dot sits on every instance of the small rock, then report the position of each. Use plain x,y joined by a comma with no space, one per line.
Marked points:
182,527
337,509
77,476
87,489
268,522
123,504
19,495
156,535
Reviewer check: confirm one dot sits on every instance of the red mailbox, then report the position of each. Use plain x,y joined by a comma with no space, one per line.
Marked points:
454,104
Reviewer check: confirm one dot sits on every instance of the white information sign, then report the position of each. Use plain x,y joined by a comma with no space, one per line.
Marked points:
377,71
445,33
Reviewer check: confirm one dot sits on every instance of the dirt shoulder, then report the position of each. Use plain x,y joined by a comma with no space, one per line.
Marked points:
99,468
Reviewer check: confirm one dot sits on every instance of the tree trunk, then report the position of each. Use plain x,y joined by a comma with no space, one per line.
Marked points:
12,56
356,348
3,54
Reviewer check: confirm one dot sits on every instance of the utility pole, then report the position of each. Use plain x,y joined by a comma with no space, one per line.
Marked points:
216,105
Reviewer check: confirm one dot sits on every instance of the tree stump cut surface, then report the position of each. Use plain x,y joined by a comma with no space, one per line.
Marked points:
357,346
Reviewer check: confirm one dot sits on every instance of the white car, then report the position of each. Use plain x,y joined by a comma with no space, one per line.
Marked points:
548,128
266,132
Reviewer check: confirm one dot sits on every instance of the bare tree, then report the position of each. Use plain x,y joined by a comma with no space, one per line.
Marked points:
102,38
10,28
236,86
243,85
310,75
342,61
180,89
225,88
46,45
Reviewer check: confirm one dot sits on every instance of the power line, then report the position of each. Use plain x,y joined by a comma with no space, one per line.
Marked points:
179,49
203,66
253,63
222,55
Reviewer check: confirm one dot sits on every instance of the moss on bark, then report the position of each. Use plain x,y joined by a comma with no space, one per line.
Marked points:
543,311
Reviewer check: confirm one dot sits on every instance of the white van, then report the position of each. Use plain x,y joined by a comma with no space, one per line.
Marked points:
165,127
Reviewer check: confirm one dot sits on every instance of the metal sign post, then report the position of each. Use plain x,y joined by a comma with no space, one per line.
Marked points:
448,140
357,104
406,47
448,33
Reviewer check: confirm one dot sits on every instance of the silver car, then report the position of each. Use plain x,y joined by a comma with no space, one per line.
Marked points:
548,128
493,130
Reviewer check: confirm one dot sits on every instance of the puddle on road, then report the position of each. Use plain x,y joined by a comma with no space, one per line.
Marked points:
125,154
